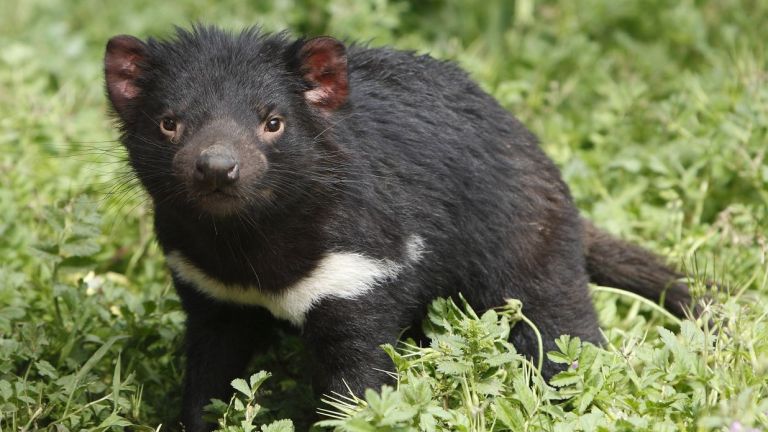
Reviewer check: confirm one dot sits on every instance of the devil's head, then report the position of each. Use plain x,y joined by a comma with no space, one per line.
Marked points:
222,124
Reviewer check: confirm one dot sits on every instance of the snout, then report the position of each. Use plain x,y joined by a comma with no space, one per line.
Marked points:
216,167
222,167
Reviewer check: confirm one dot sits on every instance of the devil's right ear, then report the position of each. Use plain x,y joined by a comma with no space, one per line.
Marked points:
122,67
322,61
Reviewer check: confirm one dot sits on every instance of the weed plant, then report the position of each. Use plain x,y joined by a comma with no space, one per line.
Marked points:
656,112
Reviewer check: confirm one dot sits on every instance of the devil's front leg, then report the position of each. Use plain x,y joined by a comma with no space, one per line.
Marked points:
344,337
221,338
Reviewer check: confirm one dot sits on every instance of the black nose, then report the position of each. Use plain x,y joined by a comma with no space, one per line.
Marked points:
217,166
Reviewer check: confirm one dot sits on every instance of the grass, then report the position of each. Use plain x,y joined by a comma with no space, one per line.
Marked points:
657,113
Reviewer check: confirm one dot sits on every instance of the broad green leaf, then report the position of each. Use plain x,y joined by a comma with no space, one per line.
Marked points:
240,385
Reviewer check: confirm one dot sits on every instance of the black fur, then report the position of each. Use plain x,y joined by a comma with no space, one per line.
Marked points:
414,148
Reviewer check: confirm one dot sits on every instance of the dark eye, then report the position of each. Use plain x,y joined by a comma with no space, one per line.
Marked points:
171,128
273,125
168,126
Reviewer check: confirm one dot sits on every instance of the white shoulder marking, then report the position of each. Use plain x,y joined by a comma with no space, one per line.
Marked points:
338,274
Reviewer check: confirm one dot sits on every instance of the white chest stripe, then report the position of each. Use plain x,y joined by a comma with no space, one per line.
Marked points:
338,274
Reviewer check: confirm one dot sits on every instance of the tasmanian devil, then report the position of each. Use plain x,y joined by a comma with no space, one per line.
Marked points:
341,189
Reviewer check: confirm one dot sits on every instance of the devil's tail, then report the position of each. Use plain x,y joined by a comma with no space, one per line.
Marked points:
615,263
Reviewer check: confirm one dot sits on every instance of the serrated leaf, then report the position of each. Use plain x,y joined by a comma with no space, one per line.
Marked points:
500,359
692,334
669,338
6,390
258,379
46,256
489,317
240,385
562,343
558,357
588,356
418,392
574,348
79,248
565,378
357,424
398,415
452,368
524,394
278,426
590,421
427,422
586,400
85,231
54,218
490,387
46,369
113,420
509,415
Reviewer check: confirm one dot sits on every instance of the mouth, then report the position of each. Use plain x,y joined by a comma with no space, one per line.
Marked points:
223,202
219,202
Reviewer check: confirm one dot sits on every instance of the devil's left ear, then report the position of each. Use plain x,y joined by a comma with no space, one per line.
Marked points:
322,62
122,68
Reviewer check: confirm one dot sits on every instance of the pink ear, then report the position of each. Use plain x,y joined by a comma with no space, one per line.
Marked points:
121,69
324,65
